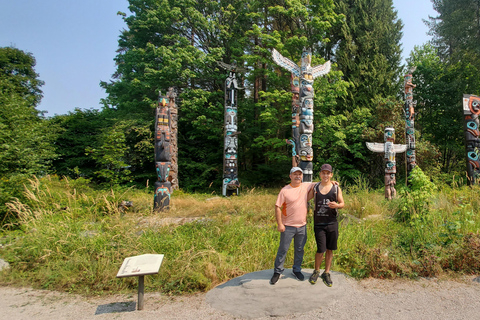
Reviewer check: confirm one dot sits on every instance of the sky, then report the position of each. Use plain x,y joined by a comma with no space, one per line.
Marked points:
74,43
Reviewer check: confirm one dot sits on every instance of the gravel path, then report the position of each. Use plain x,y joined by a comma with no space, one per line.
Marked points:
251,297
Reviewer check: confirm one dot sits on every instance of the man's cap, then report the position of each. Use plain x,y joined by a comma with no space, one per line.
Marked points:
326,167
295,169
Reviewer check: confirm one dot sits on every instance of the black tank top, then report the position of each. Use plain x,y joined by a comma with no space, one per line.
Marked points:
323,214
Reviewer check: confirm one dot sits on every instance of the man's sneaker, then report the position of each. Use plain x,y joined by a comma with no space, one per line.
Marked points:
298,275
275,278
314,277
326,279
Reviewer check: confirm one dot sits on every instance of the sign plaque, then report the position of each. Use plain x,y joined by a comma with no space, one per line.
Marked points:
140,266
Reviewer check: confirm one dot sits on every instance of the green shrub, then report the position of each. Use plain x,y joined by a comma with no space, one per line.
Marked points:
417,198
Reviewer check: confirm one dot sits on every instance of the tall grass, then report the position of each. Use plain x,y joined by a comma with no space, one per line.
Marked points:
73,237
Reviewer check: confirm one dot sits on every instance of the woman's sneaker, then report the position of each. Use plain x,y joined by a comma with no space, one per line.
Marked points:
314,277
327,279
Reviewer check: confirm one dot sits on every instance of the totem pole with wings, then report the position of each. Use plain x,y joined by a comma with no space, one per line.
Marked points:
389,148
302,107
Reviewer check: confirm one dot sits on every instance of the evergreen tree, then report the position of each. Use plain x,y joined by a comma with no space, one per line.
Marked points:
447,69
366,47
177,43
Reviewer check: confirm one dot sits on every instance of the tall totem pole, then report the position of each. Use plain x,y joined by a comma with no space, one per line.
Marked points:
230,184
410,121
471,111
302,107
389,149
165,150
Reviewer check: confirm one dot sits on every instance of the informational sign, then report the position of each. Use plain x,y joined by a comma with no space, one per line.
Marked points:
144,264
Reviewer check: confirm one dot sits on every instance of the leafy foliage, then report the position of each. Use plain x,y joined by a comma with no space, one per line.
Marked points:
415,202
26,138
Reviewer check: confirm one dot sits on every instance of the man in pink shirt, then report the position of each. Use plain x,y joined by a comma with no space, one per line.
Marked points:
291,214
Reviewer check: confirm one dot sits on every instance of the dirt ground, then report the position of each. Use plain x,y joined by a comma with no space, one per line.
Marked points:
252,297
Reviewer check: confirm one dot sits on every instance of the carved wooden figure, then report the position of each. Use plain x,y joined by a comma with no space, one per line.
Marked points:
230,183
471,111
410,121
389,149
302,107
165,149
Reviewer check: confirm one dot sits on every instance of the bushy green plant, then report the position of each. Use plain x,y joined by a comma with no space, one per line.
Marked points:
416,199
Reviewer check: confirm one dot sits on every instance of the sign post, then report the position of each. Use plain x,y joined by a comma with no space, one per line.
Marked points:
139,266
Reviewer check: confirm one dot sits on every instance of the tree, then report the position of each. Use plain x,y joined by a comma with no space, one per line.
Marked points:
177,43
18,76
448,68
456,29
439,95
80,130
366,47
26,138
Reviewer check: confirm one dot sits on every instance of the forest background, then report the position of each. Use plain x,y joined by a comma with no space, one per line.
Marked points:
177,44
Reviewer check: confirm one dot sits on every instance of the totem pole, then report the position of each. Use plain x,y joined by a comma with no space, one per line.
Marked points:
230,183
389,149
471,111
302,107
410,122
165,143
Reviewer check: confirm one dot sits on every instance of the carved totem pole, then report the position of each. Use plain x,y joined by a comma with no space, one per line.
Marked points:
302,107
471,111
410,122
165,150
230,184
389,149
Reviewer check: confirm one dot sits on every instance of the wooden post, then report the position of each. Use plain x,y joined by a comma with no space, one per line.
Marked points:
141,292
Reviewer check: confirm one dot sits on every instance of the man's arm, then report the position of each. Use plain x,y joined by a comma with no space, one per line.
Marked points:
278,216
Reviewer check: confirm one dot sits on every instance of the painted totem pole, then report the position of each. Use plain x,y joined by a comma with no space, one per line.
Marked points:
230,183
389,149
165,150
410,121
302,107
471,111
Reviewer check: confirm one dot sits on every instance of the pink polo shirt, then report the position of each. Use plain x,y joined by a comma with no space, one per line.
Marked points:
293,202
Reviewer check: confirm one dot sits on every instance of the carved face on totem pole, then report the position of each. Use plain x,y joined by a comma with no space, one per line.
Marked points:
390,165
163,154
231,120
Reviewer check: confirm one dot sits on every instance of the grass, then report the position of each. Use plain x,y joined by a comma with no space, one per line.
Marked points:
71,237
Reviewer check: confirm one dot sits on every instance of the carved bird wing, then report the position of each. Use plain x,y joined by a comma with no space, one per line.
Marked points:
321,70
285,63
399,148
231,67
225,65
376,147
